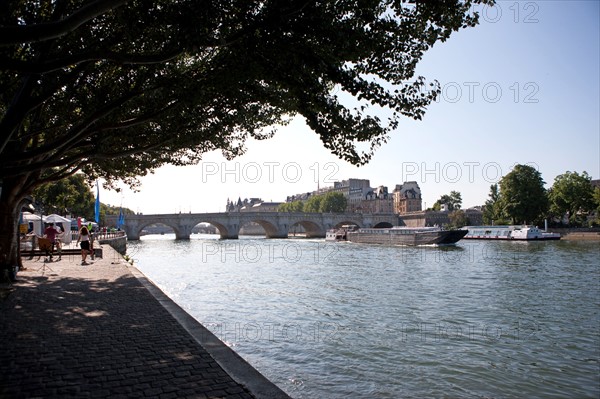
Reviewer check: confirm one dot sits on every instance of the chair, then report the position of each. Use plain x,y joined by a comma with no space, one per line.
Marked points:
44,244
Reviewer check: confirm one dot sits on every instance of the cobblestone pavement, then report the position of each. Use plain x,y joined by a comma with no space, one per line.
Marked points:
68,330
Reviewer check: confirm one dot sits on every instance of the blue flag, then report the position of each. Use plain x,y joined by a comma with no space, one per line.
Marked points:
121,220
97,207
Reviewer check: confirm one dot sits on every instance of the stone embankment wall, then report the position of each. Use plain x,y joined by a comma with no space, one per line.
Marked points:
119,244
584,234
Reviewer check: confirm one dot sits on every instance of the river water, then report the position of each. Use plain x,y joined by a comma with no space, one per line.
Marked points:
338,320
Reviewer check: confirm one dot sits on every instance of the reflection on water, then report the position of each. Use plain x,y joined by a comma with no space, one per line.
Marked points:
481,319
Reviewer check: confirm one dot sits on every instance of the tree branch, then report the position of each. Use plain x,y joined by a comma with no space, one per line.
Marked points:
19,34
23,103
57,64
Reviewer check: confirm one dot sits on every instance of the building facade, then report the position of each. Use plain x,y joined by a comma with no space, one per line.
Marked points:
407,198
355,190
377,200
362,198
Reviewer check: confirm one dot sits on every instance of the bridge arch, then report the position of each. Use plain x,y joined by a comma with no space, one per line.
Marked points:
347,222
139,228
311,228
224,232
383,225
271,230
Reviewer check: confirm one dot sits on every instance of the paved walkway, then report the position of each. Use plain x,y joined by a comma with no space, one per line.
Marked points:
103,330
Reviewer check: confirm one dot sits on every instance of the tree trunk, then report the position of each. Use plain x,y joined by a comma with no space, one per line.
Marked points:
10,202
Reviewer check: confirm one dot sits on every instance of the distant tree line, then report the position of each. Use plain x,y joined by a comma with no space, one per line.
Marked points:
72,196
329,202
520,197
453,201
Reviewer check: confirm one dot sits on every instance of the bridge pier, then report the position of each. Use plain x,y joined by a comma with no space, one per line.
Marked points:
277,231
229,231
132,232
133,237
183,231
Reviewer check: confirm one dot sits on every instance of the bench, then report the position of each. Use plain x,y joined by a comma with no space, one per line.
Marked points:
65,251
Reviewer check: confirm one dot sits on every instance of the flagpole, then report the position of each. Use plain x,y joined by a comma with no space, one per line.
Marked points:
97,206
121,219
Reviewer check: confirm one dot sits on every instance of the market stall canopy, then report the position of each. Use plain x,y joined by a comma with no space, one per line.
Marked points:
30,217
34,222
56,219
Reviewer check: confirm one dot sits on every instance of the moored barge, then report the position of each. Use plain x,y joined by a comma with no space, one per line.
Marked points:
400,236
512,232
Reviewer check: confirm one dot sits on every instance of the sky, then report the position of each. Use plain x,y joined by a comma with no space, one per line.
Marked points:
520,88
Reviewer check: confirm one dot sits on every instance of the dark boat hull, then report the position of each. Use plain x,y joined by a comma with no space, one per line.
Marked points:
442,237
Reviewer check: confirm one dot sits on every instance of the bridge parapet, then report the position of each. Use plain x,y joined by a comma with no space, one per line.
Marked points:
275,224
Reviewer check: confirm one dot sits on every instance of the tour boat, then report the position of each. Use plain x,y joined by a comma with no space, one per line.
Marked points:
513,232
339,234
398,235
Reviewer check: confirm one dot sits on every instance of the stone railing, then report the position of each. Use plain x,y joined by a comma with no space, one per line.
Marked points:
118,241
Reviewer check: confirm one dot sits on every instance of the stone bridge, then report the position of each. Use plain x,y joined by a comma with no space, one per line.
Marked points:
276,224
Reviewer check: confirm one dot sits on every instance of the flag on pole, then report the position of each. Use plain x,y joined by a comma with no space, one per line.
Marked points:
121,220
97,207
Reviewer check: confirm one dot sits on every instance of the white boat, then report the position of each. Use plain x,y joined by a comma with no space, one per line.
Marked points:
512,232
339,234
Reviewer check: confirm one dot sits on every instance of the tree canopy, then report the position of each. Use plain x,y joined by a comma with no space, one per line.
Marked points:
328,202
117,88
295,206
523,197
313,204
493,213
597,204
452,200
458,218
572,194
333,202
72,196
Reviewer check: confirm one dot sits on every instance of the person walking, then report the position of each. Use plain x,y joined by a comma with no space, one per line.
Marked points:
58,241
50,233
84,237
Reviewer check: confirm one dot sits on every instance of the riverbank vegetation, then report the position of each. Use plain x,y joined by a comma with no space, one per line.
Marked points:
520,197
453,201
328,202
72,196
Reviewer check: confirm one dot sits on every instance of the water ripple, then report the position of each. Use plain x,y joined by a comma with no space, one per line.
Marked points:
489,319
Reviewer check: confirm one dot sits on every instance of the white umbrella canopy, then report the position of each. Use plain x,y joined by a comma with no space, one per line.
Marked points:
30,217
54,218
